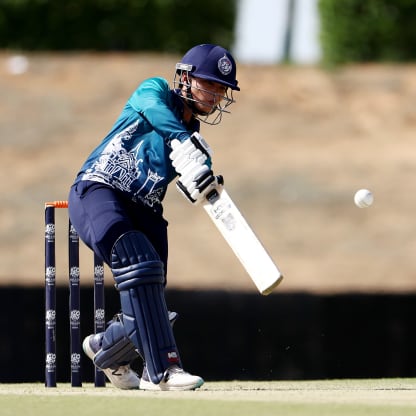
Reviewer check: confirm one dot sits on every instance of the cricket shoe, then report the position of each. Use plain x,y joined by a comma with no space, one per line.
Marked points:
122,377
175,378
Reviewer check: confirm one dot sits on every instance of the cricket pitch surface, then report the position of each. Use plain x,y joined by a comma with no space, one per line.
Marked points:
302,398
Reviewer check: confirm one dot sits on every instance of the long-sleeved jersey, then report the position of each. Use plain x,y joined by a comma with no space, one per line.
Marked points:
134,156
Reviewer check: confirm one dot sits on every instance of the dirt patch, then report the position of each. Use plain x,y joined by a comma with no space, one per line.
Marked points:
299,143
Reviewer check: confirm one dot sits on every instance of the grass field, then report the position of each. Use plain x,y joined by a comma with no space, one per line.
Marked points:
379,397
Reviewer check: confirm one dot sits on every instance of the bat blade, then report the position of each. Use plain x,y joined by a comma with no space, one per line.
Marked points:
242,240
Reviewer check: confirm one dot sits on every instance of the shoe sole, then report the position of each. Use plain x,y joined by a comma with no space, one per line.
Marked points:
148,385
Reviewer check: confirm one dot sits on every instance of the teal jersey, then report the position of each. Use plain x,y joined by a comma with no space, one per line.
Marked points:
134,157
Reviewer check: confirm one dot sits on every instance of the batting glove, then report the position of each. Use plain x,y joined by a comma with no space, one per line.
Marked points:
194,150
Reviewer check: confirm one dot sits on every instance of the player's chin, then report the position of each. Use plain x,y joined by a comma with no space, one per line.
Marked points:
206,110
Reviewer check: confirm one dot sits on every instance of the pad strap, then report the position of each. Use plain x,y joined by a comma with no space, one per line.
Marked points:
116,347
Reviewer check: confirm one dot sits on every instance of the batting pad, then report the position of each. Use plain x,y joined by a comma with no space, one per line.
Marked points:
116,349
139,276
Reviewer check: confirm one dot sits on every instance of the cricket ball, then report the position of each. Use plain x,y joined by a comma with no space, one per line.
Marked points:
363,198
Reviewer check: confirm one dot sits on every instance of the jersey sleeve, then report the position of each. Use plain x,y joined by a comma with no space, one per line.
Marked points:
153,100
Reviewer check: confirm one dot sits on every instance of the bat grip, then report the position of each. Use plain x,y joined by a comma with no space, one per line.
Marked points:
212,196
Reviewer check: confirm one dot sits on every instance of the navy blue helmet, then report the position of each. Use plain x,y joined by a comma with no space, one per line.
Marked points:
211,63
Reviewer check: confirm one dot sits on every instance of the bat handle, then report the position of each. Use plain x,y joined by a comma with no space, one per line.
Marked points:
212,196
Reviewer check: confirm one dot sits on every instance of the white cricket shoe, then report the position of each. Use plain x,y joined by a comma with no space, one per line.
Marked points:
175,378
123,377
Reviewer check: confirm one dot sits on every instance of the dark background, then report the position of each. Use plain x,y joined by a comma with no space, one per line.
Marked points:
227,336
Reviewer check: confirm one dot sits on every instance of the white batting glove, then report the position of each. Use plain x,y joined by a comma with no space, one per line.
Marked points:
197,188
191,151
197,179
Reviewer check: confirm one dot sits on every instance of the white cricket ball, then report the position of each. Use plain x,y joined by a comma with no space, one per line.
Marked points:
363,198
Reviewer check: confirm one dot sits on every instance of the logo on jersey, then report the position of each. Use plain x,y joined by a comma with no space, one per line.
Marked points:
224,65
121,166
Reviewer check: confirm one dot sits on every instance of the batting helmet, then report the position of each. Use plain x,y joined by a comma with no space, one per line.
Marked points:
210,62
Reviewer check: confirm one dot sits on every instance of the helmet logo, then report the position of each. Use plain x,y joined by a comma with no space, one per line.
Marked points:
224,65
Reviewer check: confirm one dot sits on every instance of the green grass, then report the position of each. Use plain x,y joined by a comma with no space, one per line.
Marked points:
379,397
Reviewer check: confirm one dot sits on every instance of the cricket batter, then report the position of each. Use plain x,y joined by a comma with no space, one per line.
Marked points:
115,204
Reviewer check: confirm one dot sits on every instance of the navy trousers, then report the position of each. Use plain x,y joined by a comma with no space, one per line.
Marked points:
101,214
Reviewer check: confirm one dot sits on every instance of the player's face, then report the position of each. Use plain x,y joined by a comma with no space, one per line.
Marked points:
207,94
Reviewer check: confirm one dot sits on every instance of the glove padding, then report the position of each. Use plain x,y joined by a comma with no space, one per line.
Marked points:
198,188
197,179
193,150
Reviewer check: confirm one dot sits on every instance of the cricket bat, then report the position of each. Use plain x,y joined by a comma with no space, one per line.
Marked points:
242,240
